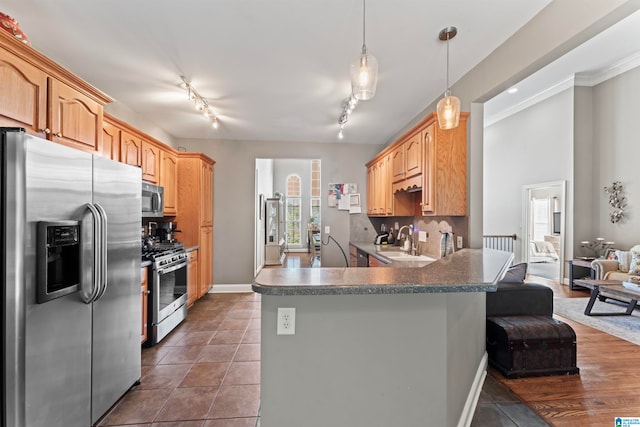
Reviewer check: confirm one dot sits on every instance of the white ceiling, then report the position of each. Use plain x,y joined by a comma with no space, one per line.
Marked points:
613,51
273,71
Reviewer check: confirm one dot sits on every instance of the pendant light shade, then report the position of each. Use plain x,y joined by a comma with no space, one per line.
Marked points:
448,109
364,69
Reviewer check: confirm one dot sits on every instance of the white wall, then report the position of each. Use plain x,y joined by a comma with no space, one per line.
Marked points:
234,190
530,147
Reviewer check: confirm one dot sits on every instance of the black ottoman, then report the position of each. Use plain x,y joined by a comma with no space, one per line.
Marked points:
523,346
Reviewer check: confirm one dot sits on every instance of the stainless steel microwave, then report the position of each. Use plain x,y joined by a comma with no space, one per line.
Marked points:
152,200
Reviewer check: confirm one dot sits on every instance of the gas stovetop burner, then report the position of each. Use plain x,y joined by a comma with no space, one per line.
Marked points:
161,249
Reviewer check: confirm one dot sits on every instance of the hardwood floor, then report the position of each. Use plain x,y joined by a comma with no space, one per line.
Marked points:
607,386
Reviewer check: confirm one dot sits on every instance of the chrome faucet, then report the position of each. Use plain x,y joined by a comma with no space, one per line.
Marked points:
408,247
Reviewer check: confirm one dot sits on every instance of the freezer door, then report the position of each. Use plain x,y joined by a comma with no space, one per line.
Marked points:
117,312
58,332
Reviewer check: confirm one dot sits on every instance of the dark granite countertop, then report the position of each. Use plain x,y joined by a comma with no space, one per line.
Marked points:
468,270
145,263
191,248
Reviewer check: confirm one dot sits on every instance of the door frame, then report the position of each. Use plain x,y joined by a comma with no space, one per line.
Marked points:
526,220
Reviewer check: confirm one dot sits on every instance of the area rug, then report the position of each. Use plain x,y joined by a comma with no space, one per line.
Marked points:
624,327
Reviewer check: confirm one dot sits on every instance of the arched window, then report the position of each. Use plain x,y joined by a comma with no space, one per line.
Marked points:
293,210
315,192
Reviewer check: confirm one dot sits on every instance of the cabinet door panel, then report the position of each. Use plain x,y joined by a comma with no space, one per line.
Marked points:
150,162
397,164
169,180
110,146
206,261
130,149
429,167
192,278
23,94
413,155
207,195
74,119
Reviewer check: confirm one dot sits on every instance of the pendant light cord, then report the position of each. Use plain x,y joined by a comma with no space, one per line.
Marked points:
364,12
447,61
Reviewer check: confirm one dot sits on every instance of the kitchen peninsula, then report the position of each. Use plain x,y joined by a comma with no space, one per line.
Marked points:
377,346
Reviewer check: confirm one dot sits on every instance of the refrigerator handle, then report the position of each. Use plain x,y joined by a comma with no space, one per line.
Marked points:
103,250
97,252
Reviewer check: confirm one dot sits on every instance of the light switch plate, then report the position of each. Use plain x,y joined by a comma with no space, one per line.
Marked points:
327,229
459,242
422,236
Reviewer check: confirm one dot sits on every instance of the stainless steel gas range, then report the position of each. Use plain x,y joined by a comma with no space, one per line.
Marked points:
167,289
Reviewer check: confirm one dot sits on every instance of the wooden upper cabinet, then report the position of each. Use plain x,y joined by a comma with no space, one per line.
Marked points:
397,164
130,149
207,194
110,146
150,162
444,191
169,180
23,95
74,118
413,155
428,143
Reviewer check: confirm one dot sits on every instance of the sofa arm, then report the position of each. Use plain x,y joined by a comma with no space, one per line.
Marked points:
602,266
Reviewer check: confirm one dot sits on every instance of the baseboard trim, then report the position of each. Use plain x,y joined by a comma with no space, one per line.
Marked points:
474,394
230,289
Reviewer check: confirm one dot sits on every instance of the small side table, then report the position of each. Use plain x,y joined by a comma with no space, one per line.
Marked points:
580,269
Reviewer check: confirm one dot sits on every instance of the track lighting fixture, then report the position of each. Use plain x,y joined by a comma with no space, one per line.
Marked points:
200,103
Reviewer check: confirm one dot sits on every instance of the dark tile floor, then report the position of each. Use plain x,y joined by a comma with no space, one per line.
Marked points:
206,373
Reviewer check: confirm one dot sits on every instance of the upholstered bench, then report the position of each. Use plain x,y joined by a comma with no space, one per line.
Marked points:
523,346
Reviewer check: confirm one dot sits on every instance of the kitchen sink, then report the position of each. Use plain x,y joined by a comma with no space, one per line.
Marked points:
403,256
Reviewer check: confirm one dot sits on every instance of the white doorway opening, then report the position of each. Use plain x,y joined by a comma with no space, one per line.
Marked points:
543,229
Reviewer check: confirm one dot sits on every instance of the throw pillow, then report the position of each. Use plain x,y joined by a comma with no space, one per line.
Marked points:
515,274
634,266
624,259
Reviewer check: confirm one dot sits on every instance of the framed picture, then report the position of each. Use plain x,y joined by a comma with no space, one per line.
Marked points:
610,254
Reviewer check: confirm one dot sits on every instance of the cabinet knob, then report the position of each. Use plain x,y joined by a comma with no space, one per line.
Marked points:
59,135
46,131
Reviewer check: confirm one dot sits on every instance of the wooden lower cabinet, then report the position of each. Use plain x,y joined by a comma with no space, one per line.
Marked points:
192,278
375,262
206,261
144,291
353,256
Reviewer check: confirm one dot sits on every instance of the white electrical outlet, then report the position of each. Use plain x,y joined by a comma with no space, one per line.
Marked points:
396,226
422,236
327,229
286,321
459,242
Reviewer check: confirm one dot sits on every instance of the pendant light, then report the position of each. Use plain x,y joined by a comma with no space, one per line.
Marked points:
364,69
448,107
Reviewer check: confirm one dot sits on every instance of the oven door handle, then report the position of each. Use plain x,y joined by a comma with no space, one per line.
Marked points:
175,267
103,255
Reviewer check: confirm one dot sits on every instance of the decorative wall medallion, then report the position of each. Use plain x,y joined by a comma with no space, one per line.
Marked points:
617,201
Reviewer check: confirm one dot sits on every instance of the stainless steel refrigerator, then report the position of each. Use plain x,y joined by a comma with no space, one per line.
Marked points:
71,309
